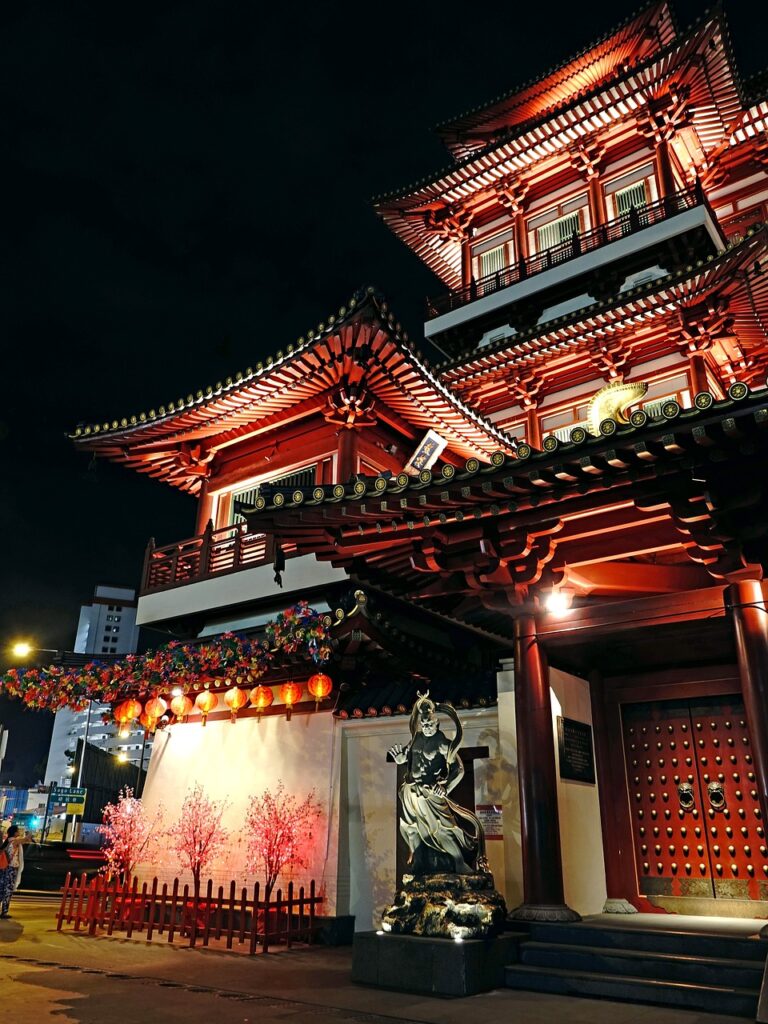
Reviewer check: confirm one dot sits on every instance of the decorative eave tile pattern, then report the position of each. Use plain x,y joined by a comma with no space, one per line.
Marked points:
388,532
363,342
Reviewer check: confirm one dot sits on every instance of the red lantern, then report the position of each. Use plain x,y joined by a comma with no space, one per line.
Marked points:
261,697
235,698
155,708
290,694
319,685
205,702
148,721
181,706
128,711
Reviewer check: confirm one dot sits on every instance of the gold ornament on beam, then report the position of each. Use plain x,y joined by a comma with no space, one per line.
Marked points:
612,402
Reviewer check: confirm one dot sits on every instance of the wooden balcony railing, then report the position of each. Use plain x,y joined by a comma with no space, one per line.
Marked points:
226,549
636,219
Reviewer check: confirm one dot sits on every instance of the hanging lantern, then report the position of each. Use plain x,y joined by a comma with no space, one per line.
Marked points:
148,722
205,702
155,708
128,711
235,698
261,697
290,694
181,706
319,685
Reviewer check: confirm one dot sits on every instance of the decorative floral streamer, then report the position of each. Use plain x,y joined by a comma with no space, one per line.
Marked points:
299,630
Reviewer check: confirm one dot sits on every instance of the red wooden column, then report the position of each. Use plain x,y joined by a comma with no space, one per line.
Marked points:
664,172
750,618
347,455
620,879
543,898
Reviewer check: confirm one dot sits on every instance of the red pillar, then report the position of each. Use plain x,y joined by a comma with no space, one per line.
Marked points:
540,828
664,172
347,455
750,619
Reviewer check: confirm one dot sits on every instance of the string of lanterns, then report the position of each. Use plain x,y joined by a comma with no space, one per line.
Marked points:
232,659
235,698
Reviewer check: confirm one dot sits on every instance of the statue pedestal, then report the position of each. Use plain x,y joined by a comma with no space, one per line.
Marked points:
447,906
435,967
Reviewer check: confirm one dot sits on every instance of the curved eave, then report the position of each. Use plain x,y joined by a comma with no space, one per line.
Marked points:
364,343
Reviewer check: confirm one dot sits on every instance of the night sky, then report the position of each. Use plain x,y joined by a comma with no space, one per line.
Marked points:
186,190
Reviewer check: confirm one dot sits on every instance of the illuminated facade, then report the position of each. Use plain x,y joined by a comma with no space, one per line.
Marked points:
585,525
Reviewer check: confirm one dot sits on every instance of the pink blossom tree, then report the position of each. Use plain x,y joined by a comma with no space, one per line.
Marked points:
129,834
198,836
279,832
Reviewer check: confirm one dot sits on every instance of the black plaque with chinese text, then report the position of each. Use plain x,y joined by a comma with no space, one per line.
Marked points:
577,759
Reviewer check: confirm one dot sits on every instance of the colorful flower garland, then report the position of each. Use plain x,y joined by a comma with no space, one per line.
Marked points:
298,630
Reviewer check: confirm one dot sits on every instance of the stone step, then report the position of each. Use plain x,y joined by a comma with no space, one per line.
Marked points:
652,940
713,998
744,974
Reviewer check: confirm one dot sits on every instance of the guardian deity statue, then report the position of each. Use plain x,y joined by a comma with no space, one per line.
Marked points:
441,835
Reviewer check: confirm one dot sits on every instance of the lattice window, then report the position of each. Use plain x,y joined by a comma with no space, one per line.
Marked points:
493,261
634,196
557,231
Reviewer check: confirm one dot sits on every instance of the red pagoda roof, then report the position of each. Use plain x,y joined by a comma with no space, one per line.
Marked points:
700,60
362,343
634,40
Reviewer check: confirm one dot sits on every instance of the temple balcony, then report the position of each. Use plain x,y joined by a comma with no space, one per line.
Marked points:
223,569
675,229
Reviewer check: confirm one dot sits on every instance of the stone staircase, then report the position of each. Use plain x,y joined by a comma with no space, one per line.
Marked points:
691,970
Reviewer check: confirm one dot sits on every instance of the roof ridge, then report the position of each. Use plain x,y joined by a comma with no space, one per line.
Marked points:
536,79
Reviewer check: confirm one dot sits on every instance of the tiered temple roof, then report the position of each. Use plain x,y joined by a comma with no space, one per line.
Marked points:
361,344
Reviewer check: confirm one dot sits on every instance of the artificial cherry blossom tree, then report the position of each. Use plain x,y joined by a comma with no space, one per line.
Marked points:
129,834
279,832
198,836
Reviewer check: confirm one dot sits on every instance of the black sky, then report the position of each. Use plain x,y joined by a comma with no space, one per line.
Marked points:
186,190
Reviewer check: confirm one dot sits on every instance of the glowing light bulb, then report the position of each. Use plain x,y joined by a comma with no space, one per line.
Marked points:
22,649
122,757
557,602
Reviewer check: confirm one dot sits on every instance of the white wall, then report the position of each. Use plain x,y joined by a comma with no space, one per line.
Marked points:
234,761
581,836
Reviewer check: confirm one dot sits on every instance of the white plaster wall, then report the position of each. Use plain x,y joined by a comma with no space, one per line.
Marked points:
234,761
369,815
578,806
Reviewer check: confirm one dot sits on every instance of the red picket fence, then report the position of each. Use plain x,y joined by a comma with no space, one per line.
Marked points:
105,906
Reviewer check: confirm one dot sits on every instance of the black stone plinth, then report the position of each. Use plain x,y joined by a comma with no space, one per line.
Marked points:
434,967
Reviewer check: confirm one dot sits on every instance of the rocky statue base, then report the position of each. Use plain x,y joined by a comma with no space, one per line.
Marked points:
447,906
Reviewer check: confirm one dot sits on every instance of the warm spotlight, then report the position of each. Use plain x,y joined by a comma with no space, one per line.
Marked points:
557,602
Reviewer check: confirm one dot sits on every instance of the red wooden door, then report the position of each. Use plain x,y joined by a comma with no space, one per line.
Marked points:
696,821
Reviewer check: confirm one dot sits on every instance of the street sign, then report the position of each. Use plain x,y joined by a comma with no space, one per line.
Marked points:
67,800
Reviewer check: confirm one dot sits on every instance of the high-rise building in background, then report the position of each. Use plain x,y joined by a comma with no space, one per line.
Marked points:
107,627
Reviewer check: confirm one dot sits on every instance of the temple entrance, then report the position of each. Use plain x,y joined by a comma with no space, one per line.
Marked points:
696,823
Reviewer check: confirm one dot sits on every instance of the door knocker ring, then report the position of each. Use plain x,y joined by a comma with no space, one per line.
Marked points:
685,795
716,795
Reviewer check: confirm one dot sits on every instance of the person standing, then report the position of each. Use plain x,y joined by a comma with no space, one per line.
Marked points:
10,876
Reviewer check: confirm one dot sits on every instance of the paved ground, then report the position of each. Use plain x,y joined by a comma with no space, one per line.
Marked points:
72,979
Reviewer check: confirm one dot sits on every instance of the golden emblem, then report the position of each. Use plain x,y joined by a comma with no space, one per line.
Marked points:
612,402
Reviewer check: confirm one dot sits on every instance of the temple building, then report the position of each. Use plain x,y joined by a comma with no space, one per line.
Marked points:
561,528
